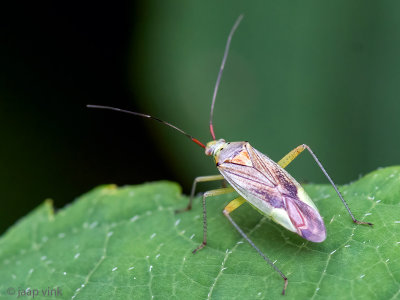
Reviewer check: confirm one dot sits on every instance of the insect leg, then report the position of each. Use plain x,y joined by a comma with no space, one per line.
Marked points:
196,180
288,158
205,195
231,207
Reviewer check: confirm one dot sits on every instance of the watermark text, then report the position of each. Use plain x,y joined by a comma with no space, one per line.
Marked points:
34,293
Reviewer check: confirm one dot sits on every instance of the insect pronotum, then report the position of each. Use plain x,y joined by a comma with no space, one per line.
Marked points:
258,180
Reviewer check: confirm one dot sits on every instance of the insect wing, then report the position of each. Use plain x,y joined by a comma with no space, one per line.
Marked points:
269,188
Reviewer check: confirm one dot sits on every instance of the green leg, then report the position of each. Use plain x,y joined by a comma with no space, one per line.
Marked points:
234,204
208,194
288,158
196,180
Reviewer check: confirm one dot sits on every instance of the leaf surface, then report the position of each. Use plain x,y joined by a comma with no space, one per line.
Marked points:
127,243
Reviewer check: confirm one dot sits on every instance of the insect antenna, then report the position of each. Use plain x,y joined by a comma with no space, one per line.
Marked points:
221,69
149,117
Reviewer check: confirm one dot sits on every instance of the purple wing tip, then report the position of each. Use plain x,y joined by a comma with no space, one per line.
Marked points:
317,236
306,220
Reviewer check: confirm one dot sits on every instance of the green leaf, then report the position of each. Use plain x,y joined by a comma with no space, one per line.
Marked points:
127,243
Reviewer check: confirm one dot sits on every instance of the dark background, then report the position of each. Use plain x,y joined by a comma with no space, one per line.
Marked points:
326,74
56,58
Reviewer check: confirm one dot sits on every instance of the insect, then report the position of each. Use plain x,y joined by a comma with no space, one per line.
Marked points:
258,180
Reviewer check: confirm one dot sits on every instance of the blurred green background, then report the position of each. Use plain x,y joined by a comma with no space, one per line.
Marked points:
317,72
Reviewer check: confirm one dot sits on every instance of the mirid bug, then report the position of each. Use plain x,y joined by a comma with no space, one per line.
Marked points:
258,180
